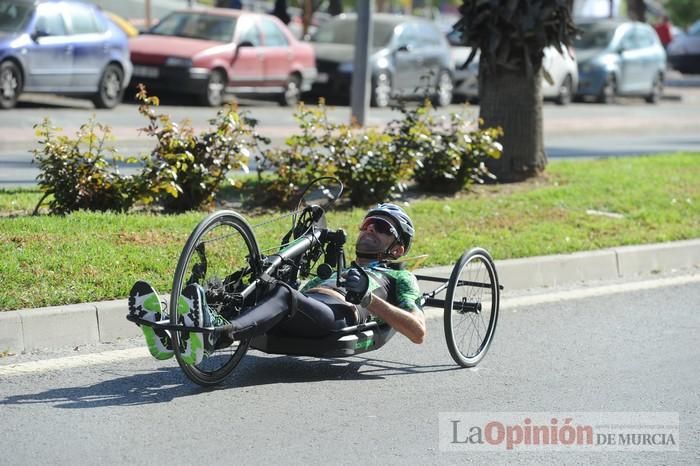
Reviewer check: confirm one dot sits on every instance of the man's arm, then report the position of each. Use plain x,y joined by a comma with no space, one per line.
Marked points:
410,324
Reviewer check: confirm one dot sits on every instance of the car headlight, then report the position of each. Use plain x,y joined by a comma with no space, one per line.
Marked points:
345,68
178,61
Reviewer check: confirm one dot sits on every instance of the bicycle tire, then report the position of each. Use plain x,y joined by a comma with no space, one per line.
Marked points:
472,292
220,245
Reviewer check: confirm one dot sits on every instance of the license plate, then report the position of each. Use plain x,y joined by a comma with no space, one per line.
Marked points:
146,71
322,77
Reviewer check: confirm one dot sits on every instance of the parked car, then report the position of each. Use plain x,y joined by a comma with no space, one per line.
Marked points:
209,52
61,47
684,50
405,52
619,58
561,66
129,29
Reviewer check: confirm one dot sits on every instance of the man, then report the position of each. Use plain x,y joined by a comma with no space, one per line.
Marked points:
387,294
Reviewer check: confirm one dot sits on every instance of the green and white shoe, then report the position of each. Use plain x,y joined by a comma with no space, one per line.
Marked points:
145,304
194,312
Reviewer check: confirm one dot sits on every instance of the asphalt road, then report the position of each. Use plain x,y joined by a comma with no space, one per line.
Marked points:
580,130
612,352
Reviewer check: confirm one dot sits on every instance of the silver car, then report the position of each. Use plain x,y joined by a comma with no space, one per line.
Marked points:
619,58
561,67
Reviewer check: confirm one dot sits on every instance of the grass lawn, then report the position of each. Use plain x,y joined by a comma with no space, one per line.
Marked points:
576,206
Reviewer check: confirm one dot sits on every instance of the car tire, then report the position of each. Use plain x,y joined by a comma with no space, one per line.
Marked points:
111,87
214,91
292,92
444,90
657,90
566,91
10,84
381,90
608,93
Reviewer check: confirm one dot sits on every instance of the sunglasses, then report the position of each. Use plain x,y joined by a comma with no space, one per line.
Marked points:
380,226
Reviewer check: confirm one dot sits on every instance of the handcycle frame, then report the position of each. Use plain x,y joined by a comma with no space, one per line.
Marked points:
293,260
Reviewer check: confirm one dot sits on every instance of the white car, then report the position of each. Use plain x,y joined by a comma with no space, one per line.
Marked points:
562,68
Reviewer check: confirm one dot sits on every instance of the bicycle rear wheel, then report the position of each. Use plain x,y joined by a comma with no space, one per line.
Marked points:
471,307
221,255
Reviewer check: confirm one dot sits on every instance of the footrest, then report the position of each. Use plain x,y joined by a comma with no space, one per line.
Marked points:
166,325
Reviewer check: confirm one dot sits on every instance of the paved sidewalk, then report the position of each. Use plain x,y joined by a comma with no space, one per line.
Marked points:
102,322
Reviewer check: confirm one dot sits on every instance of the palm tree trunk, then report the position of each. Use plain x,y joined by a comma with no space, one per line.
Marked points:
513,101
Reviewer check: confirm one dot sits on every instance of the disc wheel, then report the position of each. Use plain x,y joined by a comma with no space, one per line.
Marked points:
111,87
381,90
566,90
608,93
657,90
215,90
222,255
471,307
10,84
292,92
443,90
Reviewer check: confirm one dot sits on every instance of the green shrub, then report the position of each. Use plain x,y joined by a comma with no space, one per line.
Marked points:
365,161
75,172
303,158
369,165
449,151
185,171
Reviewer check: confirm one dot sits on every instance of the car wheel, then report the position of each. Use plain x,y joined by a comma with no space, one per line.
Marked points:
565,91
609,91
111,87
213,95
381,90
657,90
443,90
292,92
10,84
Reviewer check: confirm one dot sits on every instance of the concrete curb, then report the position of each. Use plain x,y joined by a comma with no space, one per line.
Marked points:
104,322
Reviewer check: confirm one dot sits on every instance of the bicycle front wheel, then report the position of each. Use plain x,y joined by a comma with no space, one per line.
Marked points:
222,256
471,307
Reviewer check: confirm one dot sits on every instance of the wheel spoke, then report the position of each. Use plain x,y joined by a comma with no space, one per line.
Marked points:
470,312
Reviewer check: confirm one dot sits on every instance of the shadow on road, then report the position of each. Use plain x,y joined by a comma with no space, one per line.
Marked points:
168,383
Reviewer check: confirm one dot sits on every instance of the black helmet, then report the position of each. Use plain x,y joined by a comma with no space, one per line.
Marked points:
399,218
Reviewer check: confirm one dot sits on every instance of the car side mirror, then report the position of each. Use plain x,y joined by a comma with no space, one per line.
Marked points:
403,48
245,43
38,34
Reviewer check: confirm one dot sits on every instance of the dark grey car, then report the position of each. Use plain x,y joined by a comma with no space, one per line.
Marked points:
409,57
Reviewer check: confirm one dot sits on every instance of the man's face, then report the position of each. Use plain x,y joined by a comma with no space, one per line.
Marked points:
376,235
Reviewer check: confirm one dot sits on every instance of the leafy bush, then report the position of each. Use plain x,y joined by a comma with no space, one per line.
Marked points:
449,151
370,166
76,173
184,170
304,156
365,161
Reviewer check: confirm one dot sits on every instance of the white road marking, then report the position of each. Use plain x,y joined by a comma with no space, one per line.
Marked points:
69,362
580,293
110,357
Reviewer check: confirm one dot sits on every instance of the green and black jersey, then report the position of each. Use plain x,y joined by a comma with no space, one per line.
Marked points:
398,287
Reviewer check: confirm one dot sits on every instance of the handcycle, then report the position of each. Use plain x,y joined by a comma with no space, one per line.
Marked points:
223,255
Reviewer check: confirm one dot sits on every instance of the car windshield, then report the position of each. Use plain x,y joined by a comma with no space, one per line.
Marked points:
196,26
14,15
694,30
343,32
594,36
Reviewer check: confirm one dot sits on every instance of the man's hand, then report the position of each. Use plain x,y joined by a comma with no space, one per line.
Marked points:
357,284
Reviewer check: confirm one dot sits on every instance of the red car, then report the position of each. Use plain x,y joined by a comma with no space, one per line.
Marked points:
208,52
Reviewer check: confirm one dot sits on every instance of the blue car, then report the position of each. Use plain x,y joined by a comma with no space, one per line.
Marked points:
619,58
61,47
